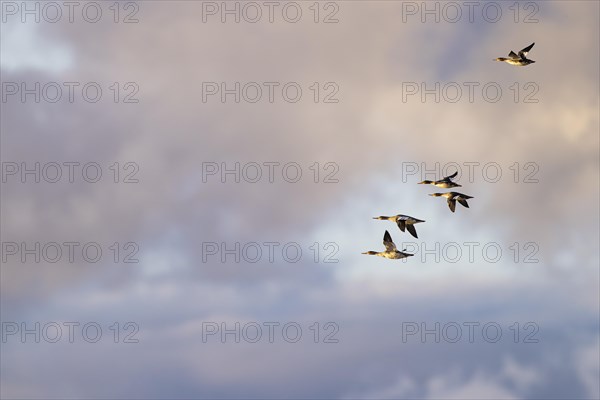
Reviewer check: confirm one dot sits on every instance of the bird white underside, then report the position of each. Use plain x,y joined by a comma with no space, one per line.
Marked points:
514,62
391,256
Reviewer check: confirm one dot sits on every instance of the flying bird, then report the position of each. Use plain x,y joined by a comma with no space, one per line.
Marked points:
404,222
520,59
453,197
390,249
445,183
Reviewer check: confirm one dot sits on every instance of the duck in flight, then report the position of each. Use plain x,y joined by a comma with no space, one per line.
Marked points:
391,251
453,197
404,222
445,183
520,59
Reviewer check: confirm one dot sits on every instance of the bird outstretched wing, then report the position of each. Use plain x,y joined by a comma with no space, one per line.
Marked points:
412,230
523,53
452,176
401,224
388,243
452,204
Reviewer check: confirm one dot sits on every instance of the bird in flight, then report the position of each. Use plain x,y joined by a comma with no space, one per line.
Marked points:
404,222
453,197
445,183
520,59
391,251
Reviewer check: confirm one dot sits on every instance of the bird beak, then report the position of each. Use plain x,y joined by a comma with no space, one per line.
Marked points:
421,183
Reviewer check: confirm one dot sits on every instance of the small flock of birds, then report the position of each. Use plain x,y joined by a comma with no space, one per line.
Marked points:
406,222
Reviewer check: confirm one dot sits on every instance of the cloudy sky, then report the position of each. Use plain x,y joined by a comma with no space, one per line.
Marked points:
231,231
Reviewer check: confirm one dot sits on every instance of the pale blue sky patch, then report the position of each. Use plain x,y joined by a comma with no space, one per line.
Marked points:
24,47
